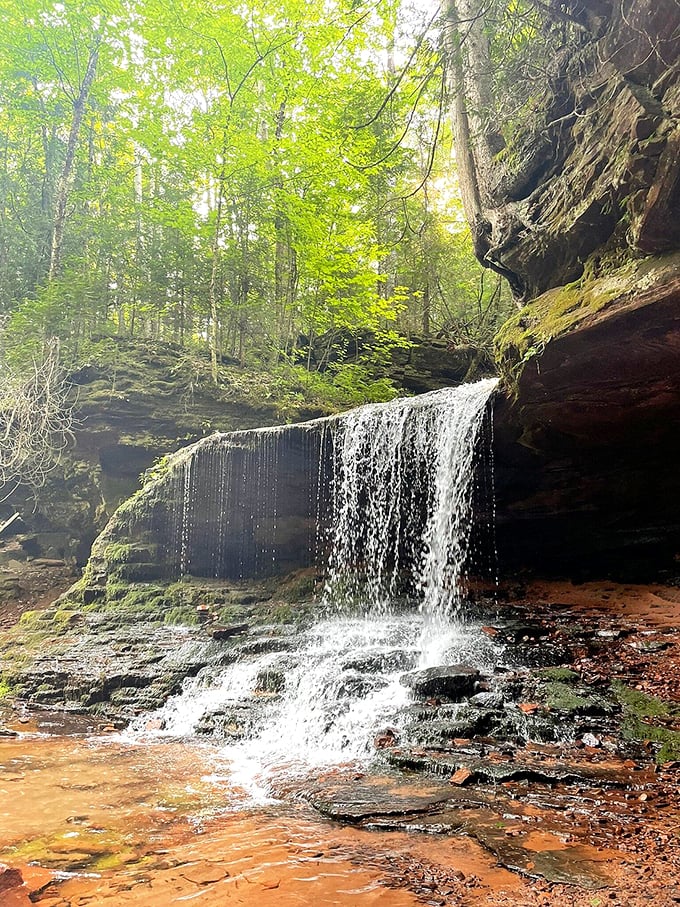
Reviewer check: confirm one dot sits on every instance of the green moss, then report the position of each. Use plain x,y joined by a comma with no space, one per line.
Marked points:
637,707
158,470
181,614
231,614
640,704
5,687
66,616
525,336
608,276
31,620
118,553
562,675
561,698
284,612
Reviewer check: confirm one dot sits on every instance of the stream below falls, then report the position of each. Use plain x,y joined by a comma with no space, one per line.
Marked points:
90,819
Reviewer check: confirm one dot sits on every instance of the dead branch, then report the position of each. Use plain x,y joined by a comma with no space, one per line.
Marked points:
35,421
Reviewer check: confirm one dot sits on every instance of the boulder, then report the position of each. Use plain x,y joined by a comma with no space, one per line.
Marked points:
455,682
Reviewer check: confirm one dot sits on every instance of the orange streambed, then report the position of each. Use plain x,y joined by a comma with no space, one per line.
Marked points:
100,821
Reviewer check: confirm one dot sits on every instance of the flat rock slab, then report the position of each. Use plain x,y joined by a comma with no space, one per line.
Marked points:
451,681
383,804
379,797
520,849
488,770
575,864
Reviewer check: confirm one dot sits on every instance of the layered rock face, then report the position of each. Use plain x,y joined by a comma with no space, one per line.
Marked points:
593,165
586,224
587,454
138,401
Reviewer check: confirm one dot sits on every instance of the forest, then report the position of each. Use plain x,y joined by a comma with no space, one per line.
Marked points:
238,181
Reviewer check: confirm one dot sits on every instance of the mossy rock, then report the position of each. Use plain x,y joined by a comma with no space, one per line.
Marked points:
561,697
644,718
139,572
561,310
559,674
120,553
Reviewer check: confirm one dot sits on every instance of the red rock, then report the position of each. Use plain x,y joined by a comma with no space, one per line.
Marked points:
383,741
205,872
13,892
461,776
9,877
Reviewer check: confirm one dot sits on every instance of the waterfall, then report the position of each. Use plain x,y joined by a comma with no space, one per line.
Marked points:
387,495
379,497
401,515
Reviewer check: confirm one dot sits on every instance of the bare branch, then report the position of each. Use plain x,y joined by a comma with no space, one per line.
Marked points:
35,421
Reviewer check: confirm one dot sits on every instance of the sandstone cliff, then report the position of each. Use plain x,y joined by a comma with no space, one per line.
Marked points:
579,206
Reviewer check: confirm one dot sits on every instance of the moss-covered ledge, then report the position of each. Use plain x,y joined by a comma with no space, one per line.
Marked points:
596,295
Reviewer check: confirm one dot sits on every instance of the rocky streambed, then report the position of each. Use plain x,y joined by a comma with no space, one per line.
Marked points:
550,755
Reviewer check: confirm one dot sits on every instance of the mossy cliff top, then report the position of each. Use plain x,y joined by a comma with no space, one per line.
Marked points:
592,299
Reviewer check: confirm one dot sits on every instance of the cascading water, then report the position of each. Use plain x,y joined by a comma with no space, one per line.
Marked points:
397,528
402,499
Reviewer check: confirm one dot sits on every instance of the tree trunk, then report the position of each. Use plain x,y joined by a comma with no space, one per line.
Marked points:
473,80
466,160
66,175
214,327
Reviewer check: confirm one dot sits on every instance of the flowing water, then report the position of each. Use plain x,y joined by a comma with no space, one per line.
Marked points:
402,500
398,538
341,686
91,820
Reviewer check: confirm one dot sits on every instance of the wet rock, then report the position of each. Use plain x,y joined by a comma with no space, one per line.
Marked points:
233,722
516,631
649,645
574,865
381,798
451,681
502,769
487,700
461,776
270,681
441,732
204,872
262,644
13,891
9,878
353,685
221,633
385,738
383,662
532,655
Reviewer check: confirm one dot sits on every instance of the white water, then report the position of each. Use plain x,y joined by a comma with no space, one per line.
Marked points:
402,500
401,519
342,687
